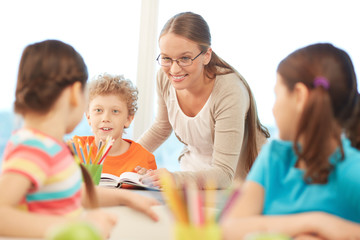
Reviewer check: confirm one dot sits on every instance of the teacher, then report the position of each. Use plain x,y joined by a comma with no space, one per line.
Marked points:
207,103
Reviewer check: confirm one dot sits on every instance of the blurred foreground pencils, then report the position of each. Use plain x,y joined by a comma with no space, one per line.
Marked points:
191,205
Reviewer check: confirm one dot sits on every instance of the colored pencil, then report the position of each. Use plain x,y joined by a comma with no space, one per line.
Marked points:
85,151
172,196
231,200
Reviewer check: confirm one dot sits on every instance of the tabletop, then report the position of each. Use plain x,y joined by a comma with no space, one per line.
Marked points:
132,225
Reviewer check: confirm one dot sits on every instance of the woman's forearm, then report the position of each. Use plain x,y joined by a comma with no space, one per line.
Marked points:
222,179
155,136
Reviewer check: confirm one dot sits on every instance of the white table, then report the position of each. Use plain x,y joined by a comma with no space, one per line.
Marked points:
133,225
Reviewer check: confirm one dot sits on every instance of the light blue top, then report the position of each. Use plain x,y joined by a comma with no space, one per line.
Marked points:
286,192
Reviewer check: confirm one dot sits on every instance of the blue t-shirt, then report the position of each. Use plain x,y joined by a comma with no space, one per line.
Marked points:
286,192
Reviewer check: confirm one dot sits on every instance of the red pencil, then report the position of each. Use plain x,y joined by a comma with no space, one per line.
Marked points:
104,156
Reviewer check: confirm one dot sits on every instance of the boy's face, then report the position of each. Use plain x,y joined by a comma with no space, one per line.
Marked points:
107,116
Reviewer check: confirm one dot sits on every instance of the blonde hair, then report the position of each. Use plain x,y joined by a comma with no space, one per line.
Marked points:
105,84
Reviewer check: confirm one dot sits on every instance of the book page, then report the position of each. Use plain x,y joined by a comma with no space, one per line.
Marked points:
109,180
132,178
109,176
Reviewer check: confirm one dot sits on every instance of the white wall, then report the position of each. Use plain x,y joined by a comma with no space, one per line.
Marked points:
253,36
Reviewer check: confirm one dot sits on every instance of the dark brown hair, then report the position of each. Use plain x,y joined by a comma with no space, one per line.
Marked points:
338,104
46,69
193,27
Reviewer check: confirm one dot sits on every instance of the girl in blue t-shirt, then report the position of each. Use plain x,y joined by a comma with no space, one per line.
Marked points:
307,183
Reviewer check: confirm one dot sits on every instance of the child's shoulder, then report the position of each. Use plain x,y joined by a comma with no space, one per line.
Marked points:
352,155
349,149
32,140
279,146
136,147
33,137
277,150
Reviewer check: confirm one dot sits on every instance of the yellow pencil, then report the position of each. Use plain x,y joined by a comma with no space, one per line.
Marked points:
210,201
173,198
88,160
98,155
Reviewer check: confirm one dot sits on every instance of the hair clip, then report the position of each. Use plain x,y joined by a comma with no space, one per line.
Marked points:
321,81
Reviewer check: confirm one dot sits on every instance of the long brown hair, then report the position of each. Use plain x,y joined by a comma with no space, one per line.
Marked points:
46,69
193,27
338,104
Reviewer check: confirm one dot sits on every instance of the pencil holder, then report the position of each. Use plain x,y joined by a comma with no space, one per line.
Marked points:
95,171
267,236
189,231
73,231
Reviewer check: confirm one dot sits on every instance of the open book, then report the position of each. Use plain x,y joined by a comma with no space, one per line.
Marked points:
124,180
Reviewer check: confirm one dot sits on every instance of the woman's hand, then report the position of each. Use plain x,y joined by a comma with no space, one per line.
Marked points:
152,177
102,220
141,203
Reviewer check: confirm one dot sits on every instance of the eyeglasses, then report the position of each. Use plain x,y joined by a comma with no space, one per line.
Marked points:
182,62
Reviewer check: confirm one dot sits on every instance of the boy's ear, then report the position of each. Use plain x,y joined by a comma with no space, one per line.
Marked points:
128,121
301,95
88,117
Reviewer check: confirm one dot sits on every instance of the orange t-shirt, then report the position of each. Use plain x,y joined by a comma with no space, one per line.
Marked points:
136,155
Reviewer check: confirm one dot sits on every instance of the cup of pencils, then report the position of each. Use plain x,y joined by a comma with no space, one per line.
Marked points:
91,156
195,218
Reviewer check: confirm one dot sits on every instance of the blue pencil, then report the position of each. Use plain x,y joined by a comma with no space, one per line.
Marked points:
73,145
82,153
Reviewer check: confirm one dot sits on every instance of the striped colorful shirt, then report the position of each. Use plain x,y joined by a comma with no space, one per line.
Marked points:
48,164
